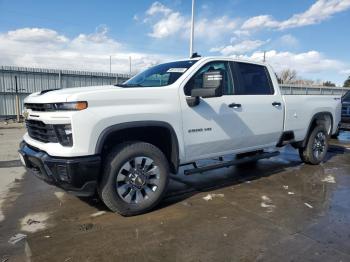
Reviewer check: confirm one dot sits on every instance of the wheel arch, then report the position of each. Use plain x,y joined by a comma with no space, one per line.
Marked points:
167,140
326,118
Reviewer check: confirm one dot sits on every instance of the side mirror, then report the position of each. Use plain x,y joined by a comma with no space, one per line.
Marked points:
212,85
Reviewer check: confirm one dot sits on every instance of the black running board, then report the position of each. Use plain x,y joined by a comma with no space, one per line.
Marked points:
231,163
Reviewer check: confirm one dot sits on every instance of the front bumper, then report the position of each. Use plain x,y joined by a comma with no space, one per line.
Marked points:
77,175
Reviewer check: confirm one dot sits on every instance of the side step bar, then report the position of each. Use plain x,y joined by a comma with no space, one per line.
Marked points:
231,163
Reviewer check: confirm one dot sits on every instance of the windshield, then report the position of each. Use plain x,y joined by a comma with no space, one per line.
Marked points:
160,75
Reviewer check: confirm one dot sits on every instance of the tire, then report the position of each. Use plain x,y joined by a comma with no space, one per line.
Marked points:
135,178
316,147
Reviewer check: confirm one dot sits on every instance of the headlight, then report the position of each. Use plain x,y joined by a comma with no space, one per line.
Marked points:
50,107
64,134
70,106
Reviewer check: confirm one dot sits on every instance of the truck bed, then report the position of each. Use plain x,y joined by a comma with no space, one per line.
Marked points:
299,109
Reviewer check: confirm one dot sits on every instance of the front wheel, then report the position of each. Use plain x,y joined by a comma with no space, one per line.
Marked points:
135,178
316,147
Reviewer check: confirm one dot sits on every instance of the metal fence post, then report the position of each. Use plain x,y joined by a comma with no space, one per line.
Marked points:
17,100
59,79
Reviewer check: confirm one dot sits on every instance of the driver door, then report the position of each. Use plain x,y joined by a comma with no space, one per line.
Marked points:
211,127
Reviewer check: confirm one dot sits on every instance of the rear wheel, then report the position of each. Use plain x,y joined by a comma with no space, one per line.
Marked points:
316,147
135,178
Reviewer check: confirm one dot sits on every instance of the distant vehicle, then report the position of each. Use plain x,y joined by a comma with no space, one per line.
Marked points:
345,112
123,141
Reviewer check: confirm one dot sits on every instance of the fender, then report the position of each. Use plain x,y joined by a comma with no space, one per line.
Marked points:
118,127
310,125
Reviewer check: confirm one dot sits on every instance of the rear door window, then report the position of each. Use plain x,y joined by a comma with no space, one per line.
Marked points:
253,79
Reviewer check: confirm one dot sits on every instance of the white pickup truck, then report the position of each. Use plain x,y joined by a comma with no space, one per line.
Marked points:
123,141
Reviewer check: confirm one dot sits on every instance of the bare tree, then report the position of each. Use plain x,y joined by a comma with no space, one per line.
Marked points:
288,76
328,83
347,82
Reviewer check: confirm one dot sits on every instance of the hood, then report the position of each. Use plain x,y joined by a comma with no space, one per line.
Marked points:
65,94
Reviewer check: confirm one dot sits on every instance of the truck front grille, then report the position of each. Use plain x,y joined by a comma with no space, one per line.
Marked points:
41,131
39,107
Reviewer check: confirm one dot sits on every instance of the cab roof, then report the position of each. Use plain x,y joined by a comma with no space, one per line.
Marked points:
225,58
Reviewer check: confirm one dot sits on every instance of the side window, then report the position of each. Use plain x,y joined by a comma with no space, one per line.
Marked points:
197,80
156,80
253,80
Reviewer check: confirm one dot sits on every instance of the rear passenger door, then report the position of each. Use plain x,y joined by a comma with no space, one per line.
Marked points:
260,107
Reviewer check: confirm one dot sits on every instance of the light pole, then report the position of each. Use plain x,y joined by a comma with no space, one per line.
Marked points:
192,30
110,64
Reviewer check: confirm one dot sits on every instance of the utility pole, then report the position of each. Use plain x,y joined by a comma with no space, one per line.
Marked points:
110,64
192,30
264,56
130,65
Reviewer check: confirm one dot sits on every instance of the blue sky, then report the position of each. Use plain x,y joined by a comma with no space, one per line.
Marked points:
309,36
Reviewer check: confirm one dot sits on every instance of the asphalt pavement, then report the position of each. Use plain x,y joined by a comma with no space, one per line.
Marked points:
277,210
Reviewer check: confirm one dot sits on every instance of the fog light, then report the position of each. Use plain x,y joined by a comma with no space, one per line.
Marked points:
64,134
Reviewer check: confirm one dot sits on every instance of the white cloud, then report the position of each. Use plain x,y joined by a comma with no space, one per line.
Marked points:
169,25
167,22
288,41
241,33
240,48
345,72
304,63
36,35
42,47
214,28
259,22
318,12
158,8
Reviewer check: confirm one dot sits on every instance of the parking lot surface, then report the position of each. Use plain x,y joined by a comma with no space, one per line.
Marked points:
277,210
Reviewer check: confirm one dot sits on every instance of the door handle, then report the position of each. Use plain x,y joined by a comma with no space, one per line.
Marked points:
234,105
276,104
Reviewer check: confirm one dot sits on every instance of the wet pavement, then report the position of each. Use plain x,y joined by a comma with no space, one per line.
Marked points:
277,210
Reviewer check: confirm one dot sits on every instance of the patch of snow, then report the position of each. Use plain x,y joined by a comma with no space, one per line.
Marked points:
34,222
59,195
99,213
16,238
267,203
266,198
211,196
291,193
329,179
285,187
308,205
